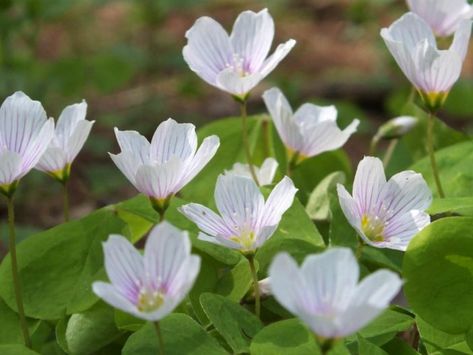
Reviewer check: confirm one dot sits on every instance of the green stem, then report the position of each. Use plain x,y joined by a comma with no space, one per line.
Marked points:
359,249
246,143
65,193
160,338
389,152
430,147
15,275
266,139
161,216
373,146
251,261
291,164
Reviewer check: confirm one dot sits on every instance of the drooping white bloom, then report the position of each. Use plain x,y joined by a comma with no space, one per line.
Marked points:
396,127
264,174
432,71
443,16
161,168
325,294
246,221
25,133
309,131
386,214
235,63
72,130
149,286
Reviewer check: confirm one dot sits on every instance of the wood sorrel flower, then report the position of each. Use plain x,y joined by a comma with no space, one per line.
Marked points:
246,221
386,214
235,63
25,133
325,294
432,71
72,130
148,286
443,16
265,173
162,168
309,131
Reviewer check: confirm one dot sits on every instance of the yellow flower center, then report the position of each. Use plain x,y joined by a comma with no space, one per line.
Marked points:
246,240
373,228
150,301
433,101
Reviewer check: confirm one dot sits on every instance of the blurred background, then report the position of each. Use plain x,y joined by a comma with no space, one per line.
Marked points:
124,58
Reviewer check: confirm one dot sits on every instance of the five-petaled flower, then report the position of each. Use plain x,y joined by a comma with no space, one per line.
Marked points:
386,214
25,133
161,168
72,130
235,63
309,131
246,221
325,294
432,71
149,286
443,16
265,173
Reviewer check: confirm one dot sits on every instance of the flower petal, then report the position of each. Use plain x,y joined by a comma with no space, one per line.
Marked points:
207,220
113,297
461,40
208,50
159,181
281,114
21,120
135,144
349,207
267,171
371,298
251,38
204,154
280,199
173,139
401,229
239,202
404,192
10,165
78,139
279,54
219,240
37,146
54,159
124,266
368,184
232,82
126,162
68,120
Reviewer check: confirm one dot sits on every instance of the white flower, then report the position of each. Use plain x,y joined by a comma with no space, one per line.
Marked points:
264,174
309,131
246,221
72,130
432,71
162,168
325,294
152,285
396,127
25,133
386,214
443,16
235,63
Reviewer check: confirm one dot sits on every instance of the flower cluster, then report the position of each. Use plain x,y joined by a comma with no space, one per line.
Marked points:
324,292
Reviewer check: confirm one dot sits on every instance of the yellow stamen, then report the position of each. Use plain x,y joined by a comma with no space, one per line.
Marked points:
150,301
373,228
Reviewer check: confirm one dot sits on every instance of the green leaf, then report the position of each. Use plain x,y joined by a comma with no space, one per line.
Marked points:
296,234
458,205
125,321
438,268
234,323
286,337
397,346
311,172
236,282
366,347
60,333
318,206
341,233
15,349
91,330
230,151
454,164
437,341
181,335
385,327
58,266
10,325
